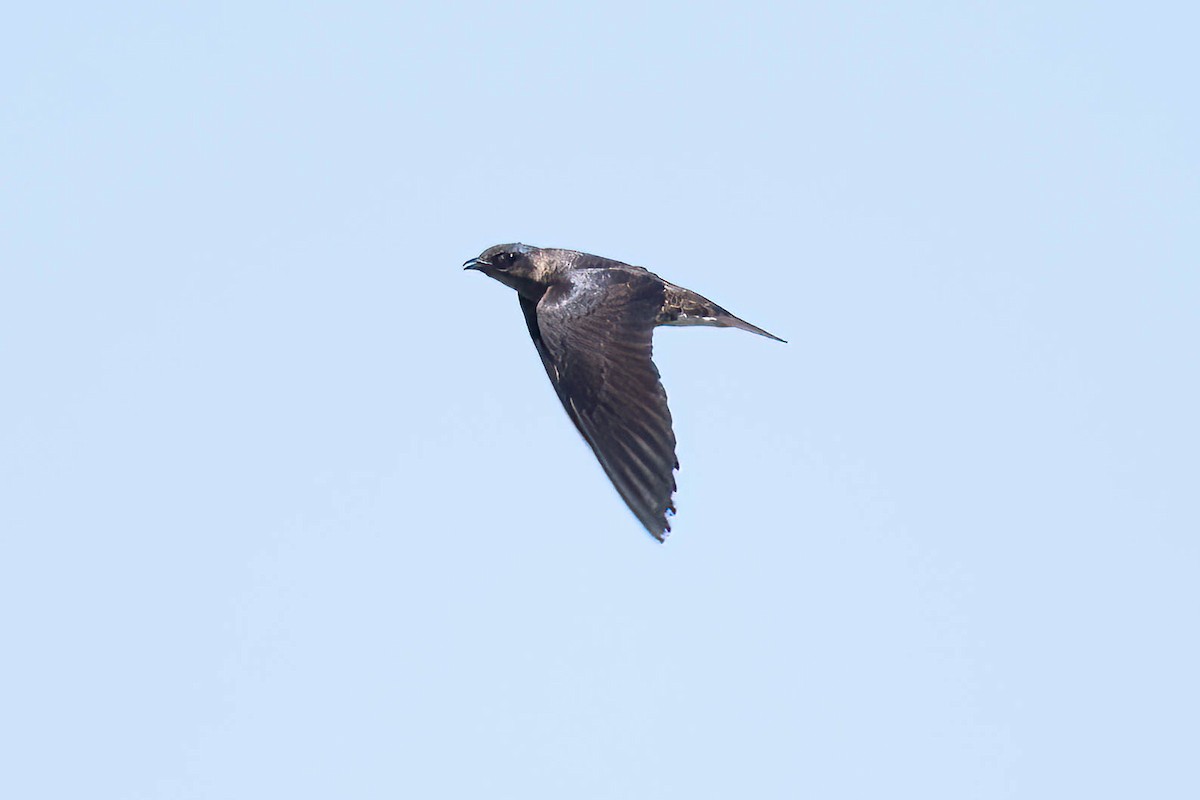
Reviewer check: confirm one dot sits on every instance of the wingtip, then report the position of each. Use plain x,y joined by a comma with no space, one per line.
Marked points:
658,530
664,526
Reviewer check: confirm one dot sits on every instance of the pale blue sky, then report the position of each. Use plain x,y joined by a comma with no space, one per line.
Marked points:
290,510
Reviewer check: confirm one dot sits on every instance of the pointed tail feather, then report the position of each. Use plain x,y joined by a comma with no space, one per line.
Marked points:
730,321
685,307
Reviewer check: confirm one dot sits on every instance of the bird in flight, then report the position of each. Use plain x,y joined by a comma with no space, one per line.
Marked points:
592,320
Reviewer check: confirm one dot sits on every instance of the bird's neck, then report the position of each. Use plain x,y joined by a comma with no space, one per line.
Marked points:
529,289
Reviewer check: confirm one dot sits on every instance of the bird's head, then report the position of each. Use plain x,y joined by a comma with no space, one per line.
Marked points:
514,265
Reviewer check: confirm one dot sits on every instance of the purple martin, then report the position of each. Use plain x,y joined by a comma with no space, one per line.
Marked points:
592,320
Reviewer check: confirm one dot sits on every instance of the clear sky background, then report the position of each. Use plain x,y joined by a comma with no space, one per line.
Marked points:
289,508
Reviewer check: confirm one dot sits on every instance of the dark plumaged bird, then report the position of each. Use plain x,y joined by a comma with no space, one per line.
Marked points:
592,320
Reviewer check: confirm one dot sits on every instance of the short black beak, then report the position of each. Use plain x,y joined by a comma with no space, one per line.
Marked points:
475,263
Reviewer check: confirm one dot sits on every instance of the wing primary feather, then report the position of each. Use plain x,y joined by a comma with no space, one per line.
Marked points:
594,333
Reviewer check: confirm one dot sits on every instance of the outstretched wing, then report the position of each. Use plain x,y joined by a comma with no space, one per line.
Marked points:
595,339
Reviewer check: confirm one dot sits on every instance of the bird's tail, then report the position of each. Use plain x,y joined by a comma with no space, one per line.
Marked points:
685,307
728,320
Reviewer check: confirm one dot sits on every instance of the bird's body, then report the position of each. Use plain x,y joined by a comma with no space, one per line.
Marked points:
592,320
